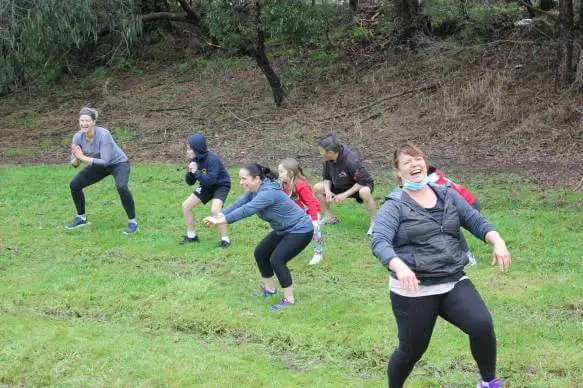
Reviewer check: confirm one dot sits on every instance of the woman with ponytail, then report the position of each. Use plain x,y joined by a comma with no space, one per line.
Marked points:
292,228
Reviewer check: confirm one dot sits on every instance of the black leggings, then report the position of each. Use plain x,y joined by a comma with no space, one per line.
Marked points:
463,307
274,251
93,174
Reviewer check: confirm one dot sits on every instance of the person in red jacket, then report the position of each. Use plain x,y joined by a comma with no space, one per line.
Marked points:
438,177
295,185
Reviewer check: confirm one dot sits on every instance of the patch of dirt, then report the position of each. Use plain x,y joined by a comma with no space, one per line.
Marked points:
489,109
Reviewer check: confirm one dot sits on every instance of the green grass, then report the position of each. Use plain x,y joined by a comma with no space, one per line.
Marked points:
92,307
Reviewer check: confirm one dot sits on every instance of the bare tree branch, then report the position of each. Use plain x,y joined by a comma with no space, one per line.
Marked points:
177,17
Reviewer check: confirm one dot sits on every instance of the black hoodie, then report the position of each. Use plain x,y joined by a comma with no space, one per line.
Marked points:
211,171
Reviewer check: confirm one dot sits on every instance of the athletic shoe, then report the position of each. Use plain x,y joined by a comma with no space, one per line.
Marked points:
186,240
77,223
224,244
265,293
496,383
132,228
369,232
329,220
283,303
316,259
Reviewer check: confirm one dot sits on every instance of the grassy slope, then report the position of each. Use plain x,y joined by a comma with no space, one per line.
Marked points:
94,307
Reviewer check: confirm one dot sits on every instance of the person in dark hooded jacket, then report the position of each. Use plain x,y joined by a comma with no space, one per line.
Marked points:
214,185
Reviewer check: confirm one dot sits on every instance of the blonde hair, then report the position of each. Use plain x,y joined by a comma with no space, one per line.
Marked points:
92,112
294,172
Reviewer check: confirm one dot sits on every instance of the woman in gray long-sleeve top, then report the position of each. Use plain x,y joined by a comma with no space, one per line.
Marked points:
417,237
95,147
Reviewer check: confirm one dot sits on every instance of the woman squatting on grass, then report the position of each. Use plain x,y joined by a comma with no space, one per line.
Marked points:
214,185
294,184
416,236
95,147
292,228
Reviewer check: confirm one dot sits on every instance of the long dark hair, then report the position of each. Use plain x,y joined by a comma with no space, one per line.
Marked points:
260,171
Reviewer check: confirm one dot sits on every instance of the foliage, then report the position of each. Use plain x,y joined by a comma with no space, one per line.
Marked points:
489,22
472,23
39,39
298,23
232,24
92,307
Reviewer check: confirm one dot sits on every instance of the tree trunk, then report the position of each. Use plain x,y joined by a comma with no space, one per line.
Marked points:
353,5
279,91
408,13
580,16
578,83
565,69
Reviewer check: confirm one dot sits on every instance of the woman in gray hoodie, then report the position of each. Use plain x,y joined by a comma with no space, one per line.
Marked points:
417,237
292,228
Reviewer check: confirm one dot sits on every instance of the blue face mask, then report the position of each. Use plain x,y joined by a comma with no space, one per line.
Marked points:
416,186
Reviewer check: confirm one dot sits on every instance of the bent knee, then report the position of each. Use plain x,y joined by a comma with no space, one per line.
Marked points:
123,188
74,186
187,205
481,327
365,192
319,187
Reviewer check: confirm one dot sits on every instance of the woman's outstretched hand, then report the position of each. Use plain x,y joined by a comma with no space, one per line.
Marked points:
215,220
501,256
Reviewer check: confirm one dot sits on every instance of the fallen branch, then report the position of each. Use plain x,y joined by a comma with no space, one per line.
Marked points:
168,109
385,98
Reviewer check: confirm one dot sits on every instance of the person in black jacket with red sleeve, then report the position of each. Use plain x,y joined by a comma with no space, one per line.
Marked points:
214,185
344,176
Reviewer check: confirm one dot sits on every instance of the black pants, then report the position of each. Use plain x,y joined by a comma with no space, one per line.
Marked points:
274,251
463,307
93,174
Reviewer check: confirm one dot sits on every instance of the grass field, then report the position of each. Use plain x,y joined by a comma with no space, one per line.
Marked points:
93,307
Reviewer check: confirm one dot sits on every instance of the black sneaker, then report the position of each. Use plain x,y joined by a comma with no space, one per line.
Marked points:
224,244
187,240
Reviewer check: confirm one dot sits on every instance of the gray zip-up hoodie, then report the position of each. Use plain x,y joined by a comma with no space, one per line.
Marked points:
432,250
271,204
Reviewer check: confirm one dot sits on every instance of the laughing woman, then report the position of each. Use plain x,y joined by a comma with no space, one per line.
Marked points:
292,228
417,237
95,147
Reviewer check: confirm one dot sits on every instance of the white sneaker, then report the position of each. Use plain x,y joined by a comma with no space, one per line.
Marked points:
316,259
369,233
